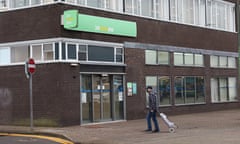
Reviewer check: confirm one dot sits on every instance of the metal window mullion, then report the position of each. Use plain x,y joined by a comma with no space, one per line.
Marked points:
140,7
195,89
101,99
86,52
77,50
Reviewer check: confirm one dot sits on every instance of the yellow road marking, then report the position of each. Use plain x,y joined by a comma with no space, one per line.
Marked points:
58,140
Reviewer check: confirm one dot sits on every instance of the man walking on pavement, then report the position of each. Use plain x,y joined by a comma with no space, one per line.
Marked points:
153,109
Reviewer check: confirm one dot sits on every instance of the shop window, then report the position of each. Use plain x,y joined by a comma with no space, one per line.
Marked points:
161,86
224,89
48,52
5,57
19,53
189,90
82,52
164,90
151,81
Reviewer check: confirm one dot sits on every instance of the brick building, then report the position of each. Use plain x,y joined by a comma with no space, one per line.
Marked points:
94,58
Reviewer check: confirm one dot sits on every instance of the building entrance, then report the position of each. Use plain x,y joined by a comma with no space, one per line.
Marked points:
101,98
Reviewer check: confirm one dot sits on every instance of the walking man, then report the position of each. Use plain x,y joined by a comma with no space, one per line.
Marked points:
153,109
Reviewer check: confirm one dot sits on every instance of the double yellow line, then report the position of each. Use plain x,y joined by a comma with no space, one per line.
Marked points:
58,140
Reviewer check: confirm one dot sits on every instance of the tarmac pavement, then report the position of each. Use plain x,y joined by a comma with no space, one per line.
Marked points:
218,127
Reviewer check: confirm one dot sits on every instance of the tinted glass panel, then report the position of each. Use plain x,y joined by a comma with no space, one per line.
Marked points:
97,53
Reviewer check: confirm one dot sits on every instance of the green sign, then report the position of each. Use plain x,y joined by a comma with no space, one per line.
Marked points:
87,23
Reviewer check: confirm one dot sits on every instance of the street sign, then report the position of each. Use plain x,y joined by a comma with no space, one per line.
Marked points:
31,66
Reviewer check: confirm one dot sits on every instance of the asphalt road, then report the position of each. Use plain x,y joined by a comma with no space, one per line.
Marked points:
30,139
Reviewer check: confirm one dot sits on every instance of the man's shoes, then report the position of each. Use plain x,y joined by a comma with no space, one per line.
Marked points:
148,130
156,131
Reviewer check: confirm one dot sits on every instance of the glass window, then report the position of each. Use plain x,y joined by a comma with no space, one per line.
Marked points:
48,52
223,61
57,51
214,90
173,10
82,52
71,51
162,9
98,53
221,15
200,91
3,4
147,8
189,90
35,2
81,2
178,58
37,52
18,3
63,51
232,88
96,3
198,60
231,62
119,54
188,9
150,57
188,59
5,56
214,61
19,54
129,6
164,90
151,81
224,89
163,57
179,90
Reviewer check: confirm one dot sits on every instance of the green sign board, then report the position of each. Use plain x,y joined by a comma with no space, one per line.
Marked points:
87,23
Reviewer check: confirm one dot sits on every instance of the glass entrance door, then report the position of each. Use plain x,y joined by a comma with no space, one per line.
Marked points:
101,98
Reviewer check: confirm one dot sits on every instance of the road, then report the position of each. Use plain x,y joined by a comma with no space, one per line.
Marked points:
30,139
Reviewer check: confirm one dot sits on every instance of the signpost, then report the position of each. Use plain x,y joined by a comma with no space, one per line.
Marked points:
30,68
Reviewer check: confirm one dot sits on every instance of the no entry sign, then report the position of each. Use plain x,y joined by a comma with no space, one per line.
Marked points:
31,67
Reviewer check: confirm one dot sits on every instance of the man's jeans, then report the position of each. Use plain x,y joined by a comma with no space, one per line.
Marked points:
152,115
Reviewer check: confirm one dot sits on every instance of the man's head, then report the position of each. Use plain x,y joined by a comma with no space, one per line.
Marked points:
149,88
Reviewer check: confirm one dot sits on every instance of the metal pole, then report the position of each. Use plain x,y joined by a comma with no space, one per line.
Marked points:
31,102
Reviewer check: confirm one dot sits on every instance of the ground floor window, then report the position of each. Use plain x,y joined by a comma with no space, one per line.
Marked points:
224,89
161,86
102,97
189,90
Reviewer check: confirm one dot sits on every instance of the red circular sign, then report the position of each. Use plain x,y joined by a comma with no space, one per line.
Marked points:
31,66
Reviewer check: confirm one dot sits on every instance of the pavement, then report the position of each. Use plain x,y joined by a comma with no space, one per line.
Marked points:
218,127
